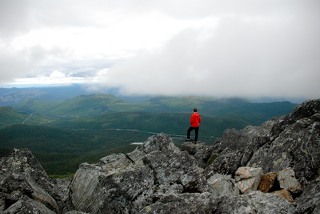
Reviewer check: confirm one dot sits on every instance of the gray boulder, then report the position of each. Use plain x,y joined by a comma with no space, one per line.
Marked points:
296,144
253,202
222,185
181,203
248,178
24,183
287,180
308,202
128,183
200,151
113,187
27,205
289,141
160,178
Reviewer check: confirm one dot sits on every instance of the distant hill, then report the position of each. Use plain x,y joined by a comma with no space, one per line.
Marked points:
88,105
9,116
156,114
93,104
14,96
62,126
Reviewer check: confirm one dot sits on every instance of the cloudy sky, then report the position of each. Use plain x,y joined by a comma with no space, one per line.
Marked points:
246,48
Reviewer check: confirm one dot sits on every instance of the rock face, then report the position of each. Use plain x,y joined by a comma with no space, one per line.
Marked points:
25,186
288,142
127,183
201,152
158,177
273,168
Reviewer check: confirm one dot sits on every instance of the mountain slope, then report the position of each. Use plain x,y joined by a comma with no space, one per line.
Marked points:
88,104
9,116
97,123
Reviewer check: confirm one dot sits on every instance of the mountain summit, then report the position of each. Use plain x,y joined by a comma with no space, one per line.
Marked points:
272,168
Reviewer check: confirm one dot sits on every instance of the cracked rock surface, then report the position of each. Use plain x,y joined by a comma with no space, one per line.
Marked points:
122,183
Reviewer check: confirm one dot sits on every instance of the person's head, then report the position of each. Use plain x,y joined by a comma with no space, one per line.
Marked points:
195,109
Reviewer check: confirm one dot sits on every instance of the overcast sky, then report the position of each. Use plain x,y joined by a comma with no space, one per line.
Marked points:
246,48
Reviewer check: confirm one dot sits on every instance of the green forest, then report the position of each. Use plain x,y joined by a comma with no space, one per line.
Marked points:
65,133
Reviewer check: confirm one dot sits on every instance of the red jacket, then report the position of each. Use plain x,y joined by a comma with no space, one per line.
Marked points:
195,120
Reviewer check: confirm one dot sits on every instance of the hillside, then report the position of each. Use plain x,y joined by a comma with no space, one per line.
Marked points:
67,141
150,115
88,105
60,132
9,116
16,96
64,132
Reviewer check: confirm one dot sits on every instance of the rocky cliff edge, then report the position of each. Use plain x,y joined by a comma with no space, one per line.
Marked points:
273,168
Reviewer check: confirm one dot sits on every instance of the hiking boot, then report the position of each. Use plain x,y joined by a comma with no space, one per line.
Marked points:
188,140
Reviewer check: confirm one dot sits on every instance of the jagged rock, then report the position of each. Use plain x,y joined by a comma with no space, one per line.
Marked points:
267,181
227,162
27,205
200,151
248,179
285,194
222,185
171,167
253,202
308,202
63,185
23,178
75,212
296,144
287,180
289,141
239,146
128,183
181,203
100,188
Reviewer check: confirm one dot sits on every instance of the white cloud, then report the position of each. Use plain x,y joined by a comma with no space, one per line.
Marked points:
55,78
243,56
212,47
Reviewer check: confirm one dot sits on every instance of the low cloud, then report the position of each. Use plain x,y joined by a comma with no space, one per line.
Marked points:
242,56
208,47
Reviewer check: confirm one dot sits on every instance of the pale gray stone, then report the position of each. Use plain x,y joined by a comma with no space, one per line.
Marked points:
287,180
248,178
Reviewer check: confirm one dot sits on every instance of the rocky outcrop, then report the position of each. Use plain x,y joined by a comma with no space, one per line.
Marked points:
273,168
25,186
128,183
253,202
291,141
308,202
158,177
200,151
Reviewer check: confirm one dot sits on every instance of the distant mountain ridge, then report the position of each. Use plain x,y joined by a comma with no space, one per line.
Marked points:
92,124
10,116
11,96
155,114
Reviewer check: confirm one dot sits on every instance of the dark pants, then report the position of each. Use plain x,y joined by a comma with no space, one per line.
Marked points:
196,130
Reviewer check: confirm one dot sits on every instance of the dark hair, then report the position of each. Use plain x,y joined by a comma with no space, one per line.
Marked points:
195,109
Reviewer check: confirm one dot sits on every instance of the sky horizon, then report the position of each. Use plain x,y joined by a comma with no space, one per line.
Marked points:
233,48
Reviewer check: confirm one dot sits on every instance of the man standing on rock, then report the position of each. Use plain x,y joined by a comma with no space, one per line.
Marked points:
195,121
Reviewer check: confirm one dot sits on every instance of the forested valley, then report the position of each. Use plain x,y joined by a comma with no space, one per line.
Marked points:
66,127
